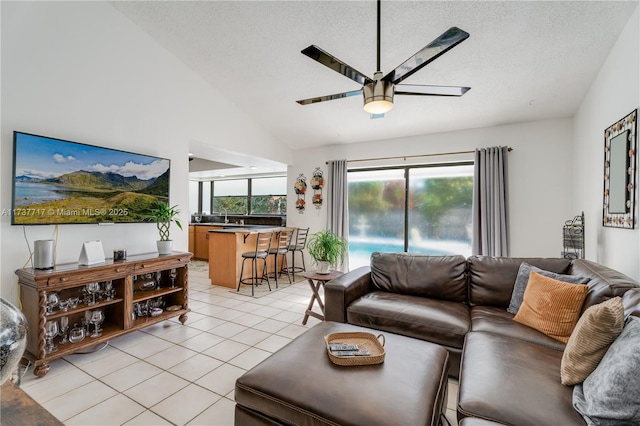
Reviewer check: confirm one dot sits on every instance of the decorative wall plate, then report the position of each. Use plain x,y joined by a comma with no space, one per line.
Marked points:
300,188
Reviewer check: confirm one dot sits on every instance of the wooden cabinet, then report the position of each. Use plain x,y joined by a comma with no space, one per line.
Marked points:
192,238
201,246
121,306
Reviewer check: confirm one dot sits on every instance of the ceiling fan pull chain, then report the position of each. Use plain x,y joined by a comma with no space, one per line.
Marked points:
379,68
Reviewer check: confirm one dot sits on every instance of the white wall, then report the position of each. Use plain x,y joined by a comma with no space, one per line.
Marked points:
540,175
82,71
614,94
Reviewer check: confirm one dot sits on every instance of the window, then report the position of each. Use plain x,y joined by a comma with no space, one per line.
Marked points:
422,209
249,196
269,195
231,195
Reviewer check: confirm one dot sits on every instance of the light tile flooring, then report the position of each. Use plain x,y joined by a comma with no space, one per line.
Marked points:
173,374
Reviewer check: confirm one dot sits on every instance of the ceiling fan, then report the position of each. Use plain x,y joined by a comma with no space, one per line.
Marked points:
378,91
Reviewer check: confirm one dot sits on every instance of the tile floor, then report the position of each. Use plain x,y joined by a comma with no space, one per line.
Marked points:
173,374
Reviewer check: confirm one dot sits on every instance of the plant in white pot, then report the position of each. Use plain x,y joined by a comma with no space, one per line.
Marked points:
164,215
327,250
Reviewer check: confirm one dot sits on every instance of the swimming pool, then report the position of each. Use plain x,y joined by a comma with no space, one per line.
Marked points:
360,249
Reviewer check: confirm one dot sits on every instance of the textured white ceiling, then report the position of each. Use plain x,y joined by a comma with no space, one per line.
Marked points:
523,61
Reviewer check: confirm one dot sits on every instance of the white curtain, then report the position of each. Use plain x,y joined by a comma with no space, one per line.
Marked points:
490,202
338,203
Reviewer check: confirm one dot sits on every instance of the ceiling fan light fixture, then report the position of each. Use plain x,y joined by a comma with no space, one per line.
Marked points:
378,96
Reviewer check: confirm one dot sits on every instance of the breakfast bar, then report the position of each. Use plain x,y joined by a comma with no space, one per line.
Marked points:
225,252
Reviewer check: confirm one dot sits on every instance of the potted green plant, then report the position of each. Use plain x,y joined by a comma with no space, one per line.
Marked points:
326,249
164,215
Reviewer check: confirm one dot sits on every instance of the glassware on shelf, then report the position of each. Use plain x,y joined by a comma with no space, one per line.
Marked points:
86,296
142,308
97,318
158,302
64,305
146,283
86,321
173,274
51,331
92,289
53,300
64,329
73,302
76,334
109,290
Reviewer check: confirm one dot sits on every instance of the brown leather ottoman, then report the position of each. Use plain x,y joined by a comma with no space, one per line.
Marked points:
300,385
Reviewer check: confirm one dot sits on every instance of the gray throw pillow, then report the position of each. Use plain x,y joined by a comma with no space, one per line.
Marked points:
523,278
611,394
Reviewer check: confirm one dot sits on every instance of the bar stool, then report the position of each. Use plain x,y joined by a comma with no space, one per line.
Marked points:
263,242
283,239
297,245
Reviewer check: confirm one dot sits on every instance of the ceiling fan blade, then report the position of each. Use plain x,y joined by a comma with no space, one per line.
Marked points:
317,54
424,90
447,40
329,97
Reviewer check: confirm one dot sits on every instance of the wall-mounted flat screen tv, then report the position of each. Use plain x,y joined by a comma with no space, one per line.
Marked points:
62,182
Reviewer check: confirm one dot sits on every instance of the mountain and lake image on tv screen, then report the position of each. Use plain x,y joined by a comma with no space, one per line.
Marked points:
57,182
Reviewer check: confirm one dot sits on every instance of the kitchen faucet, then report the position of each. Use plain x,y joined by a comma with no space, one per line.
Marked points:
225,214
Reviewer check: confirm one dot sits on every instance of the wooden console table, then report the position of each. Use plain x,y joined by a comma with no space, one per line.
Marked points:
70,281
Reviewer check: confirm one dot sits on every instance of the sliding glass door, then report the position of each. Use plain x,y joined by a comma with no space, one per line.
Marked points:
423,210
376,213
439,219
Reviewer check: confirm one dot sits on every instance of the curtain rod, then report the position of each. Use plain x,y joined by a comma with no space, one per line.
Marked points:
414,156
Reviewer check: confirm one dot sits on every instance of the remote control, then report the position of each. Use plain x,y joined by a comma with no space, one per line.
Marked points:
342,347
362,352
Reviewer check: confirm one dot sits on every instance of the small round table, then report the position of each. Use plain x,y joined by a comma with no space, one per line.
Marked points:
315,281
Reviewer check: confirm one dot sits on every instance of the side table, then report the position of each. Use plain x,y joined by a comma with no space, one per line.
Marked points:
315,281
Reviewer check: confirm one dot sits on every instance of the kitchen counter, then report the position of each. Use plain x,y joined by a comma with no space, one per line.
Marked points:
225,252
229,224
244,229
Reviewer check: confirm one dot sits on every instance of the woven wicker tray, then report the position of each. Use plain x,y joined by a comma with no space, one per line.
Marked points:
364,340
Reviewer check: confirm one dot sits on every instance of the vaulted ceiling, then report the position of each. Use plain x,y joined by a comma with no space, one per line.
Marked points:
524,61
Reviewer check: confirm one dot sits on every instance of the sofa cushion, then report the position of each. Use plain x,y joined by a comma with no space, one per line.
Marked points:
514,382
437,277
491,279
596,329
437,321
523,278
499,321
611,394
631,302
605,282
551,306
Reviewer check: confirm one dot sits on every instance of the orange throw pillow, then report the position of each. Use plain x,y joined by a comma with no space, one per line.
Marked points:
551,306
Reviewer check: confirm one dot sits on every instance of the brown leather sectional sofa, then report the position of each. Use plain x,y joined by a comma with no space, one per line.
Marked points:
508,373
